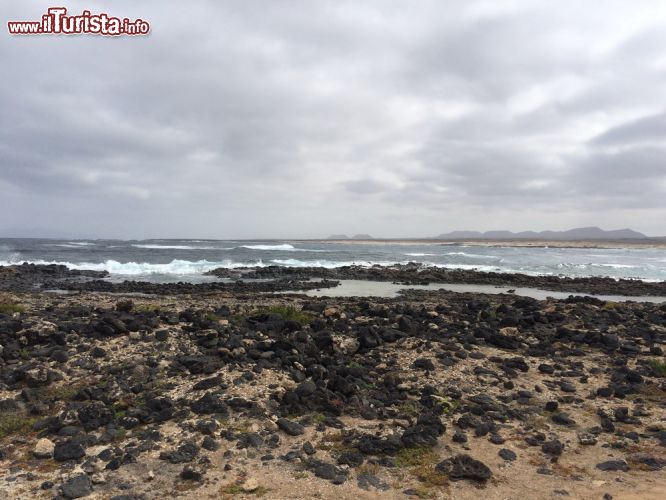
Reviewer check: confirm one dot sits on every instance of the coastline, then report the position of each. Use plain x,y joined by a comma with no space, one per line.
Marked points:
239,393
608,244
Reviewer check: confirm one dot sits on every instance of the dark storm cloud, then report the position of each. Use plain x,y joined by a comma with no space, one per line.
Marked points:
303,118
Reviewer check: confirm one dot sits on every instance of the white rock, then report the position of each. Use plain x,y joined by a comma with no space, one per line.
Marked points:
509,330
251,484
43,448
98,478
331,311
346,345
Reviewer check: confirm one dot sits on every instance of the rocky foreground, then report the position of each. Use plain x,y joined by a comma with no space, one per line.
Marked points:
223,394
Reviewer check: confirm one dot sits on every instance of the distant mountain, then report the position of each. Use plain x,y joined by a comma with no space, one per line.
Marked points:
338,237
581,233
362,237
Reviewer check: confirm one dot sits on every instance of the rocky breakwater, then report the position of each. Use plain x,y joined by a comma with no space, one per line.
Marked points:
429,397
237,287
37,277
415,273
26,277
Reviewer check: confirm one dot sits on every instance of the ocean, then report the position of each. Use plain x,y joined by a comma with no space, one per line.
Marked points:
186,260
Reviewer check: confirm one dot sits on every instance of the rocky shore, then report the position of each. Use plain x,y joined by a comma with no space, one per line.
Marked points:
235,393
31,277
415,273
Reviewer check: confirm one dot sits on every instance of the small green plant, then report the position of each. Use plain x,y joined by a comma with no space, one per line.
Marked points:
212,317
367,386
231,489
11,308
237,319
446,404
422,493
121,434
412,457
290,313
319,418
410,408
146,308
62,393
261,491
429,476
15,423
369,469
659,366
234,489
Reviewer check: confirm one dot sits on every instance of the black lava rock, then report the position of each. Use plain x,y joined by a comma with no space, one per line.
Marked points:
184,453
554,447
77,487
464,467
613,465
507,455
290,427
68,450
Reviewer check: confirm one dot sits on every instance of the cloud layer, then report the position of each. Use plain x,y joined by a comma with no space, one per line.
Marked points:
304,118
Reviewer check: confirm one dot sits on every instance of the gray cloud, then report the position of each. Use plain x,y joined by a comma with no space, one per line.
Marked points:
304,118
645,129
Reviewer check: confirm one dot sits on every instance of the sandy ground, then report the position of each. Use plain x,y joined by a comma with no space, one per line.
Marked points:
574,475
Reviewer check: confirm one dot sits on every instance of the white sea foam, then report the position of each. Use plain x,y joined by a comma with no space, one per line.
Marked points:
179,247
417,254
617,266
285,246
69,244
473,255
589,265
469,267
175,267
331,263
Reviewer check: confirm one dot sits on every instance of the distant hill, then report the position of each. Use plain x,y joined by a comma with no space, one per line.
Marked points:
581,233
362,237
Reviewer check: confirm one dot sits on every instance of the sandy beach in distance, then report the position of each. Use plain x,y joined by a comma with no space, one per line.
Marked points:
642,243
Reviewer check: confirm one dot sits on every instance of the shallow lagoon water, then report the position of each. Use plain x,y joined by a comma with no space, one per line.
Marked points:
362,288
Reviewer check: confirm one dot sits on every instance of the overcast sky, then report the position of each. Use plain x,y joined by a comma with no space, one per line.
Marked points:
285,118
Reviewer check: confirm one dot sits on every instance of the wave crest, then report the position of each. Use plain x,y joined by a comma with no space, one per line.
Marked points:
285,246
178,247
175,267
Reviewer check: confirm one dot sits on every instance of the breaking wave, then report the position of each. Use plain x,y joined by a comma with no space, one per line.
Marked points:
473,255
330,263
285,246
175,267
179,247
